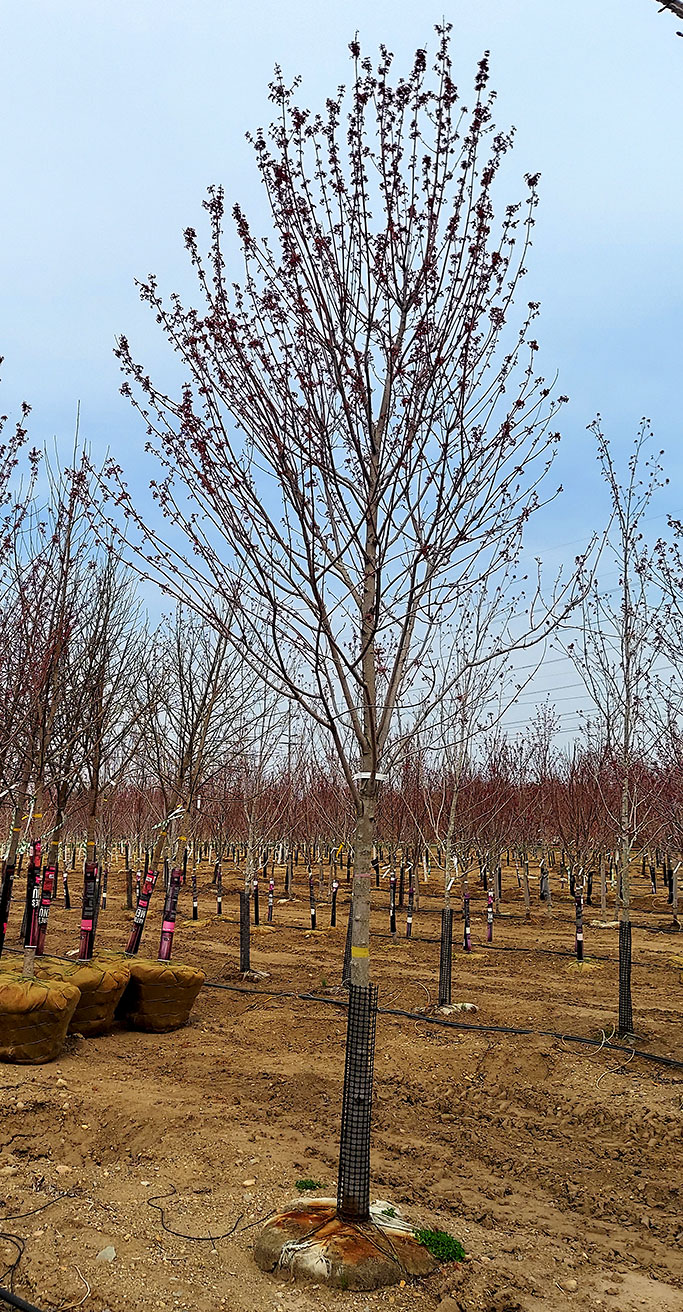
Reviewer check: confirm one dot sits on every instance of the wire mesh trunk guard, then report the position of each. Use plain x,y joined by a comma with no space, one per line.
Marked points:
245,934
353,1184
625,1007
445,961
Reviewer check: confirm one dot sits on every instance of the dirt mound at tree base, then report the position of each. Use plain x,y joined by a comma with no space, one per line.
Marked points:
311,1242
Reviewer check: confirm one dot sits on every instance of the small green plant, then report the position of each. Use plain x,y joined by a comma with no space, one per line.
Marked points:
323,983
441,1245
389,1211
304,1185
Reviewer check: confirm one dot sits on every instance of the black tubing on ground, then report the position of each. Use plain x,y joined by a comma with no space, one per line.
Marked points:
422,938
6,1296
459,1024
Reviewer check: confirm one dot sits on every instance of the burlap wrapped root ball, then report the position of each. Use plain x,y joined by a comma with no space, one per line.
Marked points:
159,995
34,1017
101,982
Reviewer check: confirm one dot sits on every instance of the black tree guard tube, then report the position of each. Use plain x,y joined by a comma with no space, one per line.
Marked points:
466,937
5,900
245,933
195,898
141,913
32,896
446,957
97,904
579,926
489,917
271,899
141,877
311,898
169,916
411,903
353,1181
333,913
46,896
625,1005
88,913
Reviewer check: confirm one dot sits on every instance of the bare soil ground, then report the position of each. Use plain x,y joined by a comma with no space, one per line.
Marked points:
559,1166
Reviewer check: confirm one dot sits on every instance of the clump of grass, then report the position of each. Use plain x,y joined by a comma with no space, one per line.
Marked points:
441,1245
304,1185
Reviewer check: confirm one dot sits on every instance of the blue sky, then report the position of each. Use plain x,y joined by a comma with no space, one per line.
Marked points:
117,114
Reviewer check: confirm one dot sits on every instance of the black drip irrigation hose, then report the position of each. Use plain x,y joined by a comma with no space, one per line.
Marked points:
560,913
423,938
497,947
561,916
548,952
560,910
604,1044
6,1296
559,952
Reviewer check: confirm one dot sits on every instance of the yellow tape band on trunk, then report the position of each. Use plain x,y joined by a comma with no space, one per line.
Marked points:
360,952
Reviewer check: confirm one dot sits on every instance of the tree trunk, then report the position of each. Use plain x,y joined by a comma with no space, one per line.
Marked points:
362,885
625,1003
353,1181
33,895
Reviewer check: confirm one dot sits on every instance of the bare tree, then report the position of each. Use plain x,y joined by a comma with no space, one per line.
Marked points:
190,700
17,485
44,575
362,434
616,655
576,804
101,717
480,694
